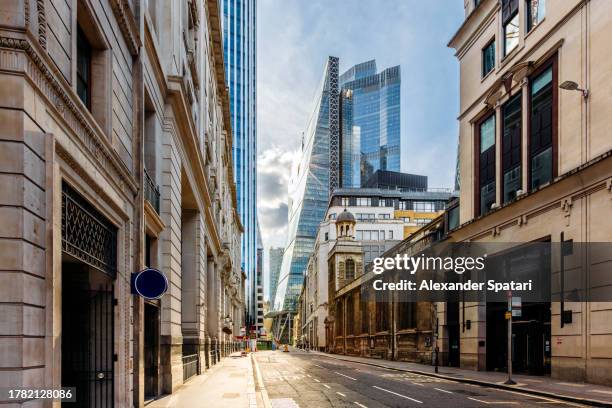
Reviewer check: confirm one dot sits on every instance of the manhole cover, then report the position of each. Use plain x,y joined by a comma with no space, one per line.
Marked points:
231,395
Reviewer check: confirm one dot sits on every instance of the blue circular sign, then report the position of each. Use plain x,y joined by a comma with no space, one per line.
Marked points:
150,283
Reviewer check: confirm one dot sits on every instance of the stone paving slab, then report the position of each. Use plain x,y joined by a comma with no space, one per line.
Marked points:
228,384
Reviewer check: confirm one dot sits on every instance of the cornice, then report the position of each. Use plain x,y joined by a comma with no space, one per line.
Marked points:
153,222
188,137
214,28
127,24
153,56
62,98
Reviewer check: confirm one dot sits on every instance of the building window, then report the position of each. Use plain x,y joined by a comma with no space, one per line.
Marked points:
402,205
345,201
424,206
510,21
349,273
327,236
382,318
488,58
332,216
486,164
407,315
511,148
83,80
364,201
536,10
381,235
453,218
339,319
422,221
350,319
384,216
365,324
366,235
390,234
542,127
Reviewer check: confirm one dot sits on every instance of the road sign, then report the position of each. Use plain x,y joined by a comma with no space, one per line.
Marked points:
516,312
516,302
508,315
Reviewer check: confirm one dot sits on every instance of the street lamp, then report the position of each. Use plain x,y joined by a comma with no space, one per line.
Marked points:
573,86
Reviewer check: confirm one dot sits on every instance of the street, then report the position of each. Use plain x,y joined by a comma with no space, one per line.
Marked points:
302,379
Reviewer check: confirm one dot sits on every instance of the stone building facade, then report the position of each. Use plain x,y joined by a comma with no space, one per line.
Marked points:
363,323
115,154
535,165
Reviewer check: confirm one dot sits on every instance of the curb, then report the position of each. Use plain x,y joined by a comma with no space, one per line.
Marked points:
546,394
259,384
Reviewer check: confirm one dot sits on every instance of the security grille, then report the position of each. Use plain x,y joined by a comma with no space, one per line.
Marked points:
86,234
87,350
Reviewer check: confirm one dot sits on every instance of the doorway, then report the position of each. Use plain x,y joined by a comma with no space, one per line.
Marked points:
87,334
151,351
452,325
530,338
89,268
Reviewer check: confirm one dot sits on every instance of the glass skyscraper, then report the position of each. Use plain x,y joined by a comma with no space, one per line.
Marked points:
239,47
275,259
354,130
309,186
370,122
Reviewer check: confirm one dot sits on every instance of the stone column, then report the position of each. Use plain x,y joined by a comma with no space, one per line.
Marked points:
212,307
171,341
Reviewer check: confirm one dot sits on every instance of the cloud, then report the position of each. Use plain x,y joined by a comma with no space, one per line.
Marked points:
274,168
295,37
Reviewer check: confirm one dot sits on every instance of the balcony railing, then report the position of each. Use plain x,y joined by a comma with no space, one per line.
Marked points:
151,191
190,366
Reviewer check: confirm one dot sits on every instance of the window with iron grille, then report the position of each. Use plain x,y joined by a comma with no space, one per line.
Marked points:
87,234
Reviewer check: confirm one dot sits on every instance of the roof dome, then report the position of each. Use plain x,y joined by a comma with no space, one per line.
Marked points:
346,216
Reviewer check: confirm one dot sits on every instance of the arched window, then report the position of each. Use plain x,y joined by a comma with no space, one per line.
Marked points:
350,270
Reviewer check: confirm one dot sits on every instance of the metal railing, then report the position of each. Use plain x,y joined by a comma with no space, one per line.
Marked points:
190,366
151,191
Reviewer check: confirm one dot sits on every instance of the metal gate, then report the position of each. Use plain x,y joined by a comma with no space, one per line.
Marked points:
89,242
87,346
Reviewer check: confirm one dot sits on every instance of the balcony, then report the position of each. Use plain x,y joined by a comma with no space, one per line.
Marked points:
151,191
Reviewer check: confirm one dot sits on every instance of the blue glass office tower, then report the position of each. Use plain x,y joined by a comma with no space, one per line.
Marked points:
370,122
239,47
314,174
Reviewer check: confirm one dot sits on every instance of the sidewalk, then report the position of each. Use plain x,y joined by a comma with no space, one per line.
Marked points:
228,384
544,386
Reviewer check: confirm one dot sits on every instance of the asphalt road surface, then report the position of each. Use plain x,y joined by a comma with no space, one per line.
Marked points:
301,379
